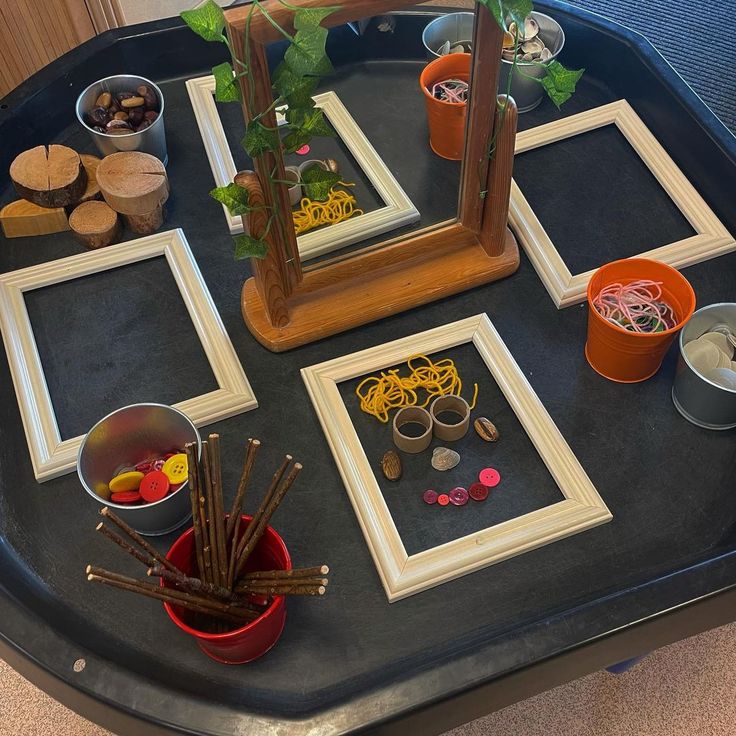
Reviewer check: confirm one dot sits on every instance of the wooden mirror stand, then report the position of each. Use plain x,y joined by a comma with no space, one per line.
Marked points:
285,307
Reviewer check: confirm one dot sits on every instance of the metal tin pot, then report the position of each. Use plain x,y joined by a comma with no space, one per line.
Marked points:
151,140
129,435
699,400
526,92
453,27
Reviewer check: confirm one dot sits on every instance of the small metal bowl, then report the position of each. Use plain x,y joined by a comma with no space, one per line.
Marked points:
151,140
130,435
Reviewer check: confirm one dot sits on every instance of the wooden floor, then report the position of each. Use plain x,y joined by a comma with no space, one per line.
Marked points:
687,689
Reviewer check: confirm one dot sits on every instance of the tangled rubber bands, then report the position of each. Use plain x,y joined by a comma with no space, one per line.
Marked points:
339,206
379,394
636,307
451,90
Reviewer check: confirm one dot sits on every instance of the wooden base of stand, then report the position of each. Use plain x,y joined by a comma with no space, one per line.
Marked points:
318,310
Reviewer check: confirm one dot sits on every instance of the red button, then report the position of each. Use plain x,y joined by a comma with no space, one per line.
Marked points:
489,477
443,499
125,497
430,497
154,486
458,496
478,492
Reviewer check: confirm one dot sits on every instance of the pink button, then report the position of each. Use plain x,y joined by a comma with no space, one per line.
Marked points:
489,477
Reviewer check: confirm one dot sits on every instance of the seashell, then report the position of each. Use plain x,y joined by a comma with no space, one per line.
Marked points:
391,465
703,355
444,49
459,49
332,165
444,459
535,46
721,341
486,429
545,55
508,40
531,28
527,57
508,54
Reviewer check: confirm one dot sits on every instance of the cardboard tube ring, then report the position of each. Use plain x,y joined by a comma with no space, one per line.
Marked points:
456,405
412,415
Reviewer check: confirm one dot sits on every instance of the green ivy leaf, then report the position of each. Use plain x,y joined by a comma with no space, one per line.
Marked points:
503,10
207,21
249,247
259,139
311,120
307,56
226,88
318,182
294,88
311,17
560,83
234,197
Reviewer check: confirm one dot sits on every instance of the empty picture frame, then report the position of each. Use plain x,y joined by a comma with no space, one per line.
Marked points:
711,238
398,209
403,575
50,455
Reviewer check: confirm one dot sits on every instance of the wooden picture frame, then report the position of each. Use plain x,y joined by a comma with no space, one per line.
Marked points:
50,455
401,574
398,209
711,238
285,306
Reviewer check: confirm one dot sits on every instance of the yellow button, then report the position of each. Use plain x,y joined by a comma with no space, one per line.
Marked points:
126,482
176,469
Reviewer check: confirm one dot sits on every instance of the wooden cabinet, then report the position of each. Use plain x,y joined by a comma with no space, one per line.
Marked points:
35,32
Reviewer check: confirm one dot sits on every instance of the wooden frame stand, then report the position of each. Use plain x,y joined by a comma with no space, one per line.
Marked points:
285,307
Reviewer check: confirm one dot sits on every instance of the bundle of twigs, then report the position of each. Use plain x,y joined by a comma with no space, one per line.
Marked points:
220,588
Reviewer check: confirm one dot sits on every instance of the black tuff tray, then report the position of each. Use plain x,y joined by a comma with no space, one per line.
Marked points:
663,568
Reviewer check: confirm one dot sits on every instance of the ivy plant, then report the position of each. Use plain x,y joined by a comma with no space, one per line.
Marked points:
295,81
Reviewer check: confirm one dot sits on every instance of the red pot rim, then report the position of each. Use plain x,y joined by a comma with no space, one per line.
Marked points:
270,611
639,335
423,86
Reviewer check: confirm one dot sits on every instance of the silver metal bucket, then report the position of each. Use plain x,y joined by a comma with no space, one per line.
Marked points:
699,400
130,435
151,140
453,27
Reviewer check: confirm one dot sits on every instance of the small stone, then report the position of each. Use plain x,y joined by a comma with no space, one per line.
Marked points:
486,429
104,100
391,465
444,459
132,102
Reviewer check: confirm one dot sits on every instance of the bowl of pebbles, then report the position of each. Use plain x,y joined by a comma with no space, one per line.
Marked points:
124,113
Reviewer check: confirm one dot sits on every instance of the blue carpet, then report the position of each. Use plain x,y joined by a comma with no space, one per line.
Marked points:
697,38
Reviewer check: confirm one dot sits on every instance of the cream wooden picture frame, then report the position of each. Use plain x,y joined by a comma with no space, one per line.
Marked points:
50,455
403,575
398,209
711,238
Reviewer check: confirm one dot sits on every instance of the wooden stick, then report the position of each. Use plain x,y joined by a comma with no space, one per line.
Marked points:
204,527
233,521
265,517
216,470
211,521
289,590
105,511
177,597
129,548
280,582
193,585
277,476
299,572
193,473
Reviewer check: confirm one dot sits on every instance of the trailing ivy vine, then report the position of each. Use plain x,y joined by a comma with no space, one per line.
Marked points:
295,81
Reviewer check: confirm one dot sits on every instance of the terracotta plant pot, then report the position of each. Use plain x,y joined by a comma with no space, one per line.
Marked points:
447,120
628,357
247,642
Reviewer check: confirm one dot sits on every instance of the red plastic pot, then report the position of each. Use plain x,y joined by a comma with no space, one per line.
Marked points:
629,357
446,119
256,638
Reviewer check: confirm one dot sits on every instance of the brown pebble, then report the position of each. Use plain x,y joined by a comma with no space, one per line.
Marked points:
120,115
391,465
486,429
104,100
132,102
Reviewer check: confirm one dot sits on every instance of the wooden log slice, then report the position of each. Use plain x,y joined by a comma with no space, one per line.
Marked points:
95,224
23,218
52,177
92,191
145,224
133,183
